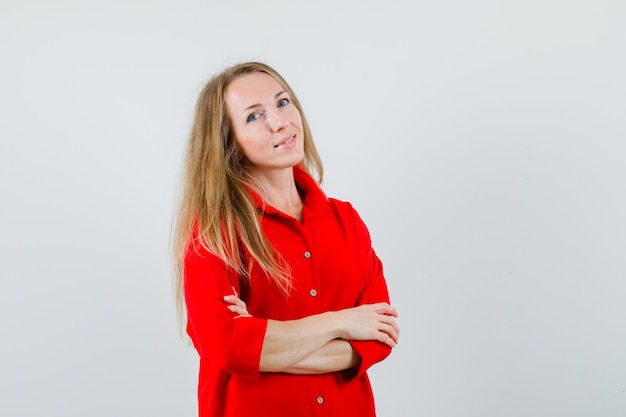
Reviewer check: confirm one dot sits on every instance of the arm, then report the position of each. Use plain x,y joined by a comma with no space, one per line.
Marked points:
232,346
246,345
318,343
336,355
288,342
373,290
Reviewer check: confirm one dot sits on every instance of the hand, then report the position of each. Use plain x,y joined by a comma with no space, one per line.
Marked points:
369,322
236,305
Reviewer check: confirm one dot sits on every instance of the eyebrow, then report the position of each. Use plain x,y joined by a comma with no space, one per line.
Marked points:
258,104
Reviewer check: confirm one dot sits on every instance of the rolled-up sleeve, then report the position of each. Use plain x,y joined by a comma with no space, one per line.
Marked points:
224,342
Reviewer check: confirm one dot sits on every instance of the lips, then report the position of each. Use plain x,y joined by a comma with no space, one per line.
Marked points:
286,141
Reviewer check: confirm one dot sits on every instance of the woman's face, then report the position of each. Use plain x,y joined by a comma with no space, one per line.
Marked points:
266,124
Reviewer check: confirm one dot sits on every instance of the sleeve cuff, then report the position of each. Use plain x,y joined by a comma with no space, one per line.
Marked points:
371,352
245,347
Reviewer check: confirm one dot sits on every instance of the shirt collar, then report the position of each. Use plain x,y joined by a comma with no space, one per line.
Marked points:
314,198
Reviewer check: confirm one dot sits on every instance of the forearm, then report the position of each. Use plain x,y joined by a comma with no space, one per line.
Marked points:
287,343
300,346
336,355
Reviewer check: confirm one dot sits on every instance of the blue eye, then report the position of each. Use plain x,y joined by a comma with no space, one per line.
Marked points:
253,117
283,102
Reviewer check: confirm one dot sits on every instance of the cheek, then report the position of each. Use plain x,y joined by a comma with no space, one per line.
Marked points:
248,144
297,119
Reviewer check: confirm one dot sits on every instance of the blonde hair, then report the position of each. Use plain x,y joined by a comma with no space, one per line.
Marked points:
216,210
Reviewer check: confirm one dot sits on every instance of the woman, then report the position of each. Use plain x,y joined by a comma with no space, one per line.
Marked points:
285,299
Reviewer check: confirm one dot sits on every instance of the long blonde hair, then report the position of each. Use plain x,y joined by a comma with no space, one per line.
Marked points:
216,210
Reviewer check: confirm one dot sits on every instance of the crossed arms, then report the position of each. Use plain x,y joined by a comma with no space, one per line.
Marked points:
320,343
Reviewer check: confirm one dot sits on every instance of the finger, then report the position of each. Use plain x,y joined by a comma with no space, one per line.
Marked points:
238,310
392,333
232,299
234,291
385,308
235,309
386,339
240,305
389,331
382,308
386,319
391,328
390,321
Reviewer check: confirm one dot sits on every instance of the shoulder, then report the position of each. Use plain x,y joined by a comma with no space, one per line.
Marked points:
342,206
348,216
197,251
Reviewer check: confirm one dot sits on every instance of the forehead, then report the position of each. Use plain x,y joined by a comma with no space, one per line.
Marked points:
251,89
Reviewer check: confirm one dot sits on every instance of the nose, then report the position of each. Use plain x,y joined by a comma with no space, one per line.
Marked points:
275,120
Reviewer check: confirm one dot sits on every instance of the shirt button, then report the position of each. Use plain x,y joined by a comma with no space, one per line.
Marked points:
313,292
320,400
307,254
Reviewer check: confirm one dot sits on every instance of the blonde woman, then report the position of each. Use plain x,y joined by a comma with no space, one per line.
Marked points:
284,297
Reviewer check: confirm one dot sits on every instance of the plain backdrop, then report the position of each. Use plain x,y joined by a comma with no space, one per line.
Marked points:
483,143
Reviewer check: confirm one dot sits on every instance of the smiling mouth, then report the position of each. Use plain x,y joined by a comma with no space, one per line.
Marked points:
286,141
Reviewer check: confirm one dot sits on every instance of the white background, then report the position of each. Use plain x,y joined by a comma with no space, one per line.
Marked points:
483,142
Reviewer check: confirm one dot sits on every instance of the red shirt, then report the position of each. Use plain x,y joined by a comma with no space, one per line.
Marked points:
333,267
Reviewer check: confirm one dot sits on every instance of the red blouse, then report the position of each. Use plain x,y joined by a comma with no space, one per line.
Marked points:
333,267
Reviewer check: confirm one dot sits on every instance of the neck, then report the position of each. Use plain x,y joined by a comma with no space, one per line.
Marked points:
278,188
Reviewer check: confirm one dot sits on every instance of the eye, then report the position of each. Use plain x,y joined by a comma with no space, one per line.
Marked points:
283,102
253,117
